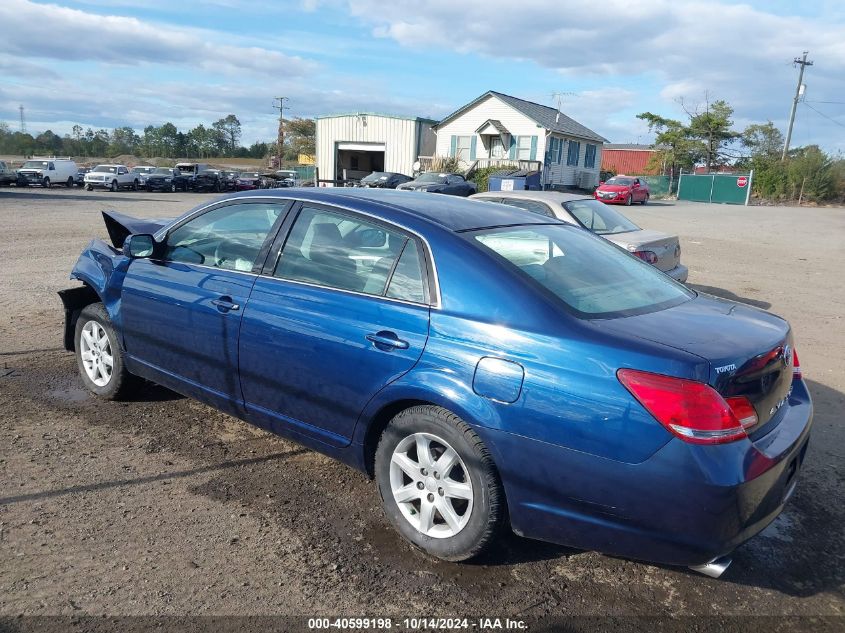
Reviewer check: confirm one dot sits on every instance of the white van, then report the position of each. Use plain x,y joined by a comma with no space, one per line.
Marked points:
48,172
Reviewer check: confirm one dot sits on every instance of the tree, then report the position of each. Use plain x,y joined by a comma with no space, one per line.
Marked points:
124,140
671,141
230,129
711,130
300,136
763,140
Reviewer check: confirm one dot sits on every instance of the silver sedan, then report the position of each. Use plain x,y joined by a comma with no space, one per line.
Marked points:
659,249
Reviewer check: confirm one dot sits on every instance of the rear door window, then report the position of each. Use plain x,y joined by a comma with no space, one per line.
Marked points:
336,250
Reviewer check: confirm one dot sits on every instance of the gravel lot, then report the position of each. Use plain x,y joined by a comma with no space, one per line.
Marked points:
164,506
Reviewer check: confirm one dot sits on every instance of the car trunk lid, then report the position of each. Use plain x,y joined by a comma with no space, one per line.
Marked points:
750,351
666,247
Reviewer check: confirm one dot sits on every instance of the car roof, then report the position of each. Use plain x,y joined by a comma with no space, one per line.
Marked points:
451,212
543,196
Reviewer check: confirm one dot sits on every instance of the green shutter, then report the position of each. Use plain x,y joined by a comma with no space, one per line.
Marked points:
533,148
560,150
472,147
512,148
454,148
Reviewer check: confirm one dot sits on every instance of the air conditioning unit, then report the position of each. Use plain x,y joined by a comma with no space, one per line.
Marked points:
586,180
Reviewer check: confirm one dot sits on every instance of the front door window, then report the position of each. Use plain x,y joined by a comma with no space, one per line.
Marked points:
497,148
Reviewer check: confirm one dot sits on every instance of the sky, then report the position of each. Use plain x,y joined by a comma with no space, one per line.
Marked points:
110,63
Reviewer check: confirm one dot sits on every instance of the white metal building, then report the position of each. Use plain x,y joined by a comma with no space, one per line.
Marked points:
350,146
496,129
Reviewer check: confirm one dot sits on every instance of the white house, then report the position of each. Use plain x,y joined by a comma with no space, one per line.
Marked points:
350,146
497,129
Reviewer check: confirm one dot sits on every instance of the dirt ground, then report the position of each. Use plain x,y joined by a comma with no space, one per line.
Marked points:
162,506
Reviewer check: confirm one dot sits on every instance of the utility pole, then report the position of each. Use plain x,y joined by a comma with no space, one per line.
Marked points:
803,63
23,120
281,136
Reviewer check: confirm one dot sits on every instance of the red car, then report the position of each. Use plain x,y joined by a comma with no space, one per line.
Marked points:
623,190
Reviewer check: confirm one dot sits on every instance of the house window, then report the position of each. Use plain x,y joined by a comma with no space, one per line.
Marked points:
523,148
462,147
551,150
573,153
590,156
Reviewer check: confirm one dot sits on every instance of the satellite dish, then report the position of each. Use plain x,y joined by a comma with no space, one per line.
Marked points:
416,166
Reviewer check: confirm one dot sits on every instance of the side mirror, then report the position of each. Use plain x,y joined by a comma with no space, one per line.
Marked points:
140,245
601,182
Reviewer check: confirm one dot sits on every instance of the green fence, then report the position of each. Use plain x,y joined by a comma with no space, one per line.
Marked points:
659,186
305,172
721,188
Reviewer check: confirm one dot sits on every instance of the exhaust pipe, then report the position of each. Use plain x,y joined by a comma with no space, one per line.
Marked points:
714,568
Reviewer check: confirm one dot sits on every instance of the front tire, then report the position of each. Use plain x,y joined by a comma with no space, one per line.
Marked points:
98,354
629,200
69,183
172,188
46,183
438,484
113,186
89,188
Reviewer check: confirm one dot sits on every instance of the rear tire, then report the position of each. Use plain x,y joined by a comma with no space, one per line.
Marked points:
645,200
446,498
98,354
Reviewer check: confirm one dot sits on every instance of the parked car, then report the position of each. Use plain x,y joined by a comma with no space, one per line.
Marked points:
112,177
660,249
479,361
384,180
623,190
208,180
79,179
8,176
47,172
228,179
438,182
289,177
248,180
190,170
167,179
141,172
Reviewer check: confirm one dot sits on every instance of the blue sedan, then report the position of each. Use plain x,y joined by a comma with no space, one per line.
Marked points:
489,368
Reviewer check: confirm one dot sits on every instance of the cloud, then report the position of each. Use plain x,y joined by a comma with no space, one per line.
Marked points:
53,32
734,51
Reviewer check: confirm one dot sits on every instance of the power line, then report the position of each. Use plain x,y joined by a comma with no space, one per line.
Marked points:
839,123
833,102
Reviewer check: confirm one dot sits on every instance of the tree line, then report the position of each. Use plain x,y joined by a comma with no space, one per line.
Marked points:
707,137
222,138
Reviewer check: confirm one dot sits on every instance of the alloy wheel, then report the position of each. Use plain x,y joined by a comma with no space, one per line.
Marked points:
431,485
96,352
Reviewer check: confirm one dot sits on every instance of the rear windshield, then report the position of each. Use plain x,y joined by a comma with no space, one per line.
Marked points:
591,276
599,218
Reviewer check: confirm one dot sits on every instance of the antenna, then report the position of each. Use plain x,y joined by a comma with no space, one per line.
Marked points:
559,96
281,137
23,120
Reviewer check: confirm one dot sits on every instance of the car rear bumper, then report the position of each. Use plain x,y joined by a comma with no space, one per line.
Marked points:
685,505
679,273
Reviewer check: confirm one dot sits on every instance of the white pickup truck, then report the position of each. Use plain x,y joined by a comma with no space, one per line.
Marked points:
112,177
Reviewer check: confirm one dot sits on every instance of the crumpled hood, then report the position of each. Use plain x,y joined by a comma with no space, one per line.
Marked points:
119,226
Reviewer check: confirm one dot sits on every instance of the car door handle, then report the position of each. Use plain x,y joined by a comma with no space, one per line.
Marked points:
387,340
225,304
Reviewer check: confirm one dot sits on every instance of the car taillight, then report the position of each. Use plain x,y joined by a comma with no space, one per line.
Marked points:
647,256
796,366
690,410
